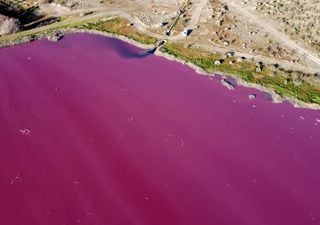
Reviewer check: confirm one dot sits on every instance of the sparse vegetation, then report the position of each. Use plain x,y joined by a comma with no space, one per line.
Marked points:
120,27
299,19
220,27
281,81
115,26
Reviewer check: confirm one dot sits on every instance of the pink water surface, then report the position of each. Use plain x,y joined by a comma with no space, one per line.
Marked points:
92,132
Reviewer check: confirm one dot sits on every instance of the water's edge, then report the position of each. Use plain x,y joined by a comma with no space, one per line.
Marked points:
274,96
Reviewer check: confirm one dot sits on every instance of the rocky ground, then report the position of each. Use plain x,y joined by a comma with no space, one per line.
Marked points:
298,19
223,27
8,25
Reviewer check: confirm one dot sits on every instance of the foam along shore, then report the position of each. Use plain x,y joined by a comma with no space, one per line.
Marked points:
276,98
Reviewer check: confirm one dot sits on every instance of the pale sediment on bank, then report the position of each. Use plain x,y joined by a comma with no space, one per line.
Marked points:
225,82
275,97
25,39
64,31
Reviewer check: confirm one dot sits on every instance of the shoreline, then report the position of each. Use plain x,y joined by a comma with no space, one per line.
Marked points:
276,99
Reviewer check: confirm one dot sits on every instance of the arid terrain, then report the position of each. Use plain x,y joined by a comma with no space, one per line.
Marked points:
250,27
277,34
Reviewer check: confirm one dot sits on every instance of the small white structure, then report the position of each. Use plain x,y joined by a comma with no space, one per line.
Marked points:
252,96
186,32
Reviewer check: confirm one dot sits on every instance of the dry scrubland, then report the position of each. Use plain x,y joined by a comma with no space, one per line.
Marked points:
223,27
223,39
299,19
220,25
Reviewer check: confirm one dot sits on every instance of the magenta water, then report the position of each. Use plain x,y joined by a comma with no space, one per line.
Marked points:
95,132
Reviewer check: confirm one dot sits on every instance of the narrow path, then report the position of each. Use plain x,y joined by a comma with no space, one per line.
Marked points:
298,48
195,18
200,4
267,60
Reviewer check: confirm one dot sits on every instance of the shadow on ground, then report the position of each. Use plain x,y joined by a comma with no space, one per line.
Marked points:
25,16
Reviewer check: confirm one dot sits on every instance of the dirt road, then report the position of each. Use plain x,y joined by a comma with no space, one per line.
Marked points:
199,5
194,21
270,28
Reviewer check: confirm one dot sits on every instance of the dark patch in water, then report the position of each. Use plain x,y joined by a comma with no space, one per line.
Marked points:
267,96
229,80
128,52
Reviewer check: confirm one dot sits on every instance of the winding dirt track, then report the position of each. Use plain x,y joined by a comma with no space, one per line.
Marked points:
199,6
297,47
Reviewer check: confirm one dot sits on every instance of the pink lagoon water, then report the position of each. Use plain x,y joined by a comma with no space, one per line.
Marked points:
92,132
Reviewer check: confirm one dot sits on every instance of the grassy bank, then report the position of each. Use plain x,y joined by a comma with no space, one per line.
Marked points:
32,34
285,83
119,27
116,26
